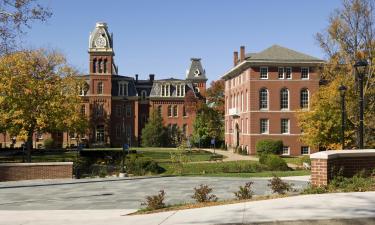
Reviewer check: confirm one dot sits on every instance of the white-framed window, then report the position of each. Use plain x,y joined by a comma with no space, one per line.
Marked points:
281,73
100,88
170,111
128,111
285,126
305,150
286,150
288,72
305,73
284,99
175,111
264,126
247,101
242,102
263,72
165,90
246,127
184,114
304,99
100,133
263,98
123,88
184,129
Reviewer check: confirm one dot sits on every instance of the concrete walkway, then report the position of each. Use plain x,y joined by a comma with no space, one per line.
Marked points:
305,207
231,156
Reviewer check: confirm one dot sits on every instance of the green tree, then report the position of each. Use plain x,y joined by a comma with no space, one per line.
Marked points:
269,146
350,36
154,134
39,91
15,16
208,124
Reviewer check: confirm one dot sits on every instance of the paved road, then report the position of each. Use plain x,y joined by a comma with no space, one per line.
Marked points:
358,207
118,193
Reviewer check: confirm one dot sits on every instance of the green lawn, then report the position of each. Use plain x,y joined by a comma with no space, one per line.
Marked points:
296,160
42,157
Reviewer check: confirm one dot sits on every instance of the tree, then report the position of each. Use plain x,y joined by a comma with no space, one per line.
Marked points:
39,91
350,36
154,134
269,146
15,16
215,96
208,124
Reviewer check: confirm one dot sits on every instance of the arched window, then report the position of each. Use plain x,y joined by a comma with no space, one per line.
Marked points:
94,65
304,99
284,98
105,66
100,88
143,94
100,66
263,98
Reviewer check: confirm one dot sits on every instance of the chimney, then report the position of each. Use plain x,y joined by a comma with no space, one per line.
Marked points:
152,77
136,78
242,53
235,58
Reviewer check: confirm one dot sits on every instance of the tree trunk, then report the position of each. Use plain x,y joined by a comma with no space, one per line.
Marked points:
29,145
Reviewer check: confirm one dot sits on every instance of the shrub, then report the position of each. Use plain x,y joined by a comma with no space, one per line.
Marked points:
49,143
245,192
269,146
273,162
141,165
279,186
202,194
155,201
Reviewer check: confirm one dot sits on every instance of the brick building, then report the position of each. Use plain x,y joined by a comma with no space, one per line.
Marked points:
118,106
263,92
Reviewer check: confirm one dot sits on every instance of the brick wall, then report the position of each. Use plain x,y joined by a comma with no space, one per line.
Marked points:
325,165
30,171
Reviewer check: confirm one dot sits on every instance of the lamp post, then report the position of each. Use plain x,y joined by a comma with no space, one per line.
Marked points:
360,67
342,90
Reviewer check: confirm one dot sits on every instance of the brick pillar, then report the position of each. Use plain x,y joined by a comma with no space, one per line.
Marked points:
319,173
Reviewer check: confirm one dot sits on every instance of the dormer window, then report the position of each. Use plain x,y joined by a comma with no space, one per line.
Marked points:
143,94
165,90
123,88
180,90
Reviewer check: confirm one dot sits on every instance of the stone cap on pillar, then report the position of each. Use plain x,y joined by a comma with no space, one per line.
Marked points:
343,154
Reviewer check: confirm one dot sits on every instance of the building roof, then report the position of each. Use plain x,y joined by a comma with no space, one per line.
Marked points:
279,53
274,55
196,71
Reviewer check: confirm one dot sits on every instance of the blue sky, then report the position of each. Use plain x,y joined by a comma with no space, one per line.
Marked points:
161,36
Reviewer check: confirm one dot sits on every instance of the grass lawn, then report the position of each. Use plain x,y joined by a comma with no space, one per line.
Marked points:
296,160
42,157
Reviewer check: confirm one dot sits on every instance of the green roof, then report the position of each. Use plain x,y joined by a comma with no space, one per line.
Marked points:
278,53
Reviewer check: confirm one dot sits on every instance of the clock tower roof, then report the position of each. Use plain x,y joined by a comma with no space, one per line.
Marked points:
100,39
196,71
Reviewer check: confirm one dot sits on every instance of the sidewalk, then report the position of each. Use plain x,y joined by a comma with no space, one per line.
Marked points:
305,207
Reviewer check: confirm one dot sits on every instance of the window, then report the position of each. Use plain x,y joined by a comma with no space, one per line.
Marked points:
105,66
184,129
99,110
143,94
123,89
170,111
118,110
284,99
304,73
246,122
178,90
281,73
286,150
128,110
263,72
159,110
100,66
264,126
83,110
128,132
100,88
288,73
305,150
285,126
263,98
184,111
175,111
118,130
100,133
304,99
94,65
162,90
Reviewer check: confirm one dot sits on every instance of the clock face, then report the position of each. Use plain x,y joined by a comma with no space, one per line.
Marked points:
100,42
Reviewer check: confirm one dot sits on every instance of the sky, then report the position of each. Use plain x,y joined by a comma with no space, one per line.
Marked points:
160,36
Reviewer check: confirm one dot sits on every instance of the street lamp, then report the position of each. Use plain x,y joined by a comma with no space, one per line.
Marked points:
342,90
360,67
